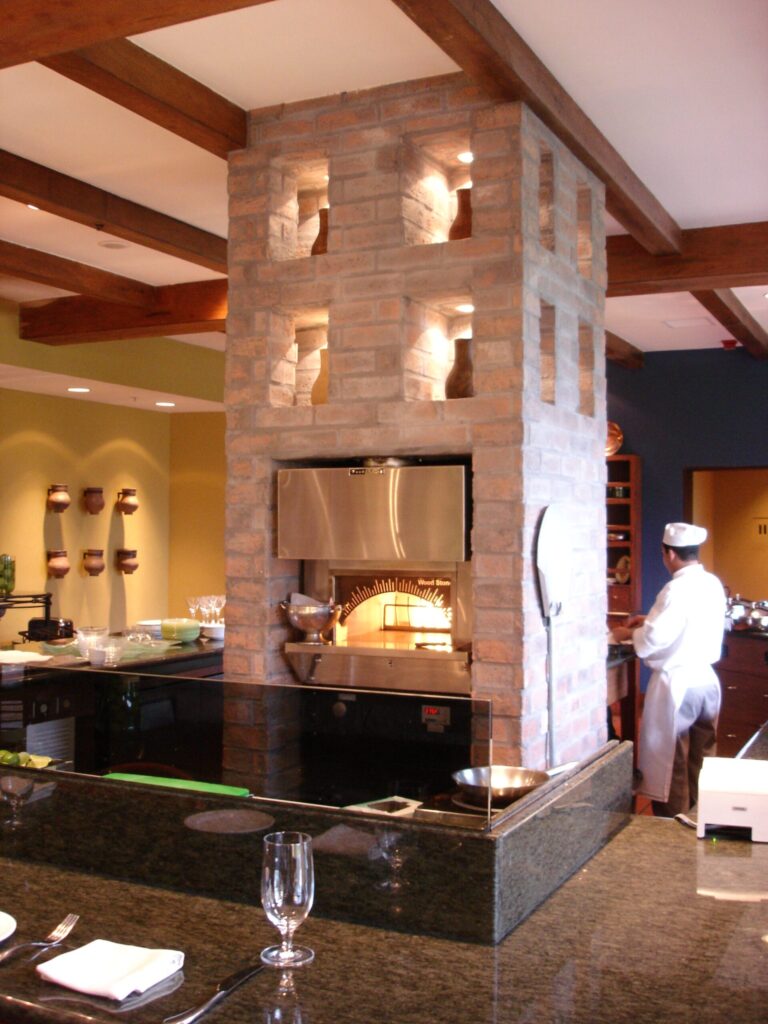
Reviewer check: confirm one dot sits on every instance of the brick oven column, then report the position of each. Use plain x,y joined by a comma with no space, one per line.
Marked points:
384,298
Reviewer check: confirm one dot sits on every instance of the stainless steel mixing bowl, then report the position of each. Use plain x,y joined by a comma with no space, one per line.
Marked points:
313,620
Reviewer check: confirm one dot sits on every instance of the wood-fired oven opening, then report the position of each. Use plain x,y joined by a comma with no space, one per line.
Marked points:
406,610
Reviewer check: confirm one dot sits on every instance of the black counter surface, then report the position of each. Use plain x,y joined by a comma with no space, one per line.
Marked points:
627,938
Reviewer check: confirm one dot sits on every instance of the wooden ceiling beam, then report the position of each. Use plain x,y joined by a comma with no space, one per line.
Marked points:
28,182
735,318
156,91
33,265
483,43
38,28
623,352
176,309
730,256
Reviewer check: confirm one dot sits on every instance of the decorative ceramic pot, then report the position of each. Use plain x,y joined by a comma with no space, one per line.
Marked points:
93,498
127,562
58,564
458,383
319,394
462,222
127,502
321,242
93,561
58,497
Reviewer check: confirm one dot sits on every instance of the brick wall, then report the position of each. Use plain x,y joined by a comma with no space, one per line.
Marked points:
382,298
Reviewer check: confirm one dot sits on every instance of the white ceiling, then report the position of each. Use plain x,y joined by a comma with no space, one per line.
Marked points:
679,87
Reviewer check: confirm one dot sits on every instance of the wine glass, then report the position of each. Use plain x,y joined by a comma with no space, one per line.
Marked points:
285,1006
206,608
15,790
193,603
287,893
217,605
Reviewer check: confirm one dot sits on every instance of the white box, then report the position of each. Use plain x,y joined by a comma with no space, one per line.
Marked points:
734,792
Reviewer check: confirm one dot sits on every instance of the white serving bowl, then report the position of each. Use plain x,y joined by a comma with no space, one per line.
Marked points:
214,630
151,626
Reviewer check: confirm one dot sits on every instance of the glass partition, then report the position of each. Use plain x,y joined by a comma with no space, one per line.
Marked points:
367,752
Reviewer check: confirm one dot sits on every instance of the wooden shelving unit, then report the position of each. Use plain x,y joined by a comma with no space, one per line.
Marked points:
624,534
624,564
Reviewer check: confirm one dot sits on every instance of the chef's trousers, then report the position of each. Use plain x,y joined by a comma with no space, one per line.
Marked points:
692,744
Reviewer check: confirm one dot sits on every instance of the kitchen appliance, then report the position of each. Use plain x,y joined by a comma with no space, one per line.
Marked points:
388,544
733,792
47,629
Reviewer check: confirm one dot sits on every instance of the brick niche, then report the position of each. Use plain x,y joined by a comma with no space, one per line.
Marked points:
380,304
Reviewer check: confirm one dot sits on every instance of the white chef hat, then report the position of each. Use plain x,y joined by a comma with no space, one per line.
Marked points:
684,535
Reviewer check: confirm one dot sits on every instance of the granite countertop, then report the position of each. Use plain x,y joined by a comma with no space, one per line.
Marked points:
627,938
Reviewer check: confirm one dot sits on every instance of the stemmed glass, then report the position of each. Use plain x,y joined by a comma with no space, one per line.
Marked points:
16,790
193,603
205,608
287,894
217,605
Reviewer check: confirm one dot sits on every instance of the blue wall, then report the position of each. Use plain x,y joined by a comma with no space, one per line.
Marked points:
687,410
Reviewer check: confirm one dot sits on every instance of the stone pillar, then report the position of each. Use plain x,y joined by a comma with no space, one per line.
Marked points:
385,294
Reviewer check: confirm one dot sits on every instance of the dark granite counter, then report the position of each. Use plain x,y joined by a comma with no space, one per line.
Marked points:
757,748
631,937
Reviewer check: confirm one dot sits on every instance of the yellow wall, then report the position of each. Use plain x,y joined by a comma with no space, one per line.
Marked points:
45,440
704,511
741,552
161,364
197,487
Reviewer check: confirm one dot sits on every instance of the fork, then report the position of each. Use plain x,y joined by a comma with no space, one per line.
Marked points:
59,933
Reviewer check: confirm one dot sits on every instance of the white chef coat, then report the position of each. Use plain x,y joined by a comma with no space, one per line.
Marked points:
680,640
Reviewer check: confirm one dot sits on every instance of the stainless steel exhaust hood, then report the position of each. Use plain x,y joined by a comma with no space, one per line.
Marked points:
373,513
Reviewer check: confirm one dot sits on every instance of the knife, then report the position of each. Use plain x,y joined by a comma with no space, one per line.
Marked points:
223,989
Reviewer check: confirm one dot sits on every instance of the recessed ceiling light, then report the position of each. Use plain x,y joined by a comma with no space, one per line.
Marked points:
465,307
466,157
31,206
165,405
695,322
79,391
113,245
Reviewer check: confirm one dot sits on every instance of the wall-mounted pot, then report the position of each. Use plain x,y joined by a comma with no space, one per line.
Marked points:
93,499
126,560
58,498
58,564
93,561
127,502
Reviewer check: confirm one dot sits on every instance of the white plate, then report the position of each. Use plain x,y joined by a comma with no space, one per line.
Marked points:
230,822
7,926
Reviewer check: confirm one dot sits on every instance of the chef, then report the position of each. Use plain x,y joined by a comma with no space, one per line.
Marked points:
679,639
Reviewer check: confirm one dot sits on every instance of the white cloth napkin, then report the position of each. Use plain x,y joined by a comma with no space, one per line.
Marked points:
110,969
22,657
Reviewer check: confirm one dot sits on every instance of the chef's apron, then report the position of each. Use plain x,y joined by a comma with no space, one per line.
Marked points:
659,726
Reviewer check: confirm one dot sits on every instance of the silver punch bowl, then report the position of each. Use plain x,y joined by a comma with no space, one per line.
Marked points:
312,619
